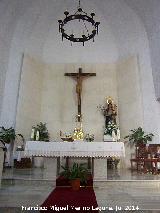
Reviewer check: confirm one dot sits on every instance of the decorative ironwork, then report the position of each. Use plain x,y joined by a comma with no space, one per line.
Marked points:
79,15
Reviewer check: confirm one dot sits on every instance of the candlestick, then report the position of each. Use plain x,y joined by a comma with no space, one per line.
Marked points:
113,136
32,133
37,135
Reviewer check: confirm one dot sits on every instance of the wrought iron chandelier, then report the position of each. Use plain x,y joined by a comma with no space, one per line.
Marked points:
90,26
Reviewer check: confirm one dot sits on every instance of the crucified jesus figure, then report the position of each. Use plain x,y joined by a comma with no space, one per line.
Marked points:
79,78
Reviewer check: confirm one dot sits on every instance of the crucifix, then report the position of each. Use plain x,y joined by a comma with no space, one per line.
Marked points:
79,78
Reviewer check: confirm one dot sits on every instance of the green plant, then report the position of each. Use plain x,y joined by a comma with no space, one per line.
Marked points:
8,135
138,136
76,171
43,132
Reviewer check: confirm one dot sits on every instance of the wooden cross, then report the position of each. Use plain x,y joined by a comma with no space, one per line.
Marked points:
79,77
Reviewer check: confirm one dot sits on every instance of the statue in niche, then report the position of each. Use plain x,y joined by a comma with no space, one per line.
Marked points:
110,112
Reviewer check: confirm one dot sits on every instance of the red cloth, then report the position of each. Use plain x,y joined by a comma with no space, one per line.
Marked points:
80,201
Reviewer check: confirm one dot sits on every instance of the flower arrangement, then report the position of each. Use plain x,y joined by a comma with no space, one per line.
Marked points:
40,132
89,137
103,109
110,128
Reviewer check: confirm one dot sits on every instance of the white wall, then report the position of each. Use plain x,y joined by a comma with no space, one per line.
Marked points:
129,95
59,103
149,12
47,95
29,100
129,100
10,13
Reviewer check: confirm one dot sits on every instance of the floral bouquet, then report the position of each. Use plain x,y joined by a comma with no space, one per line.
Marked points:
110,128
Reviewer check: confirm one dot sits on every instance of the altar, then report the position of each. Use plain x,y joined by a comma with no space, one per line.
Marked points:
98,151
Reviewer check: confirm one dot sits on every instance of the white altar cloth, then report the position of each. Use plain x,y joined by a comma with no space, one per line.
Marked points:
74,149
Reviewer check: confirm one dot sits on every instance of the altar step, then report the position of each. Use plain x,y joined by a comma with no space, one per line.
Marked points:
97,183
38,176
150,184
29,182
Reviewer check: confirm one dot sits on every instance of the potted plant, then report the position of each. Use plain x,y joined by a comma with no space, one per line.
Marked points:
8,136
139,137
76,174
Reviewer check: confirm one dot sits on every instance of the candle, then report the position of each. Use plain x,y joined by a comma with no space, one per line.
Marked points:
37,135
113,136
32,133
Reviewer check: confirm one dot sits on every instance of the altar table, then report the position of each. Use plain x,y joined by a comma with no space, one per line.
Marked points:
98,151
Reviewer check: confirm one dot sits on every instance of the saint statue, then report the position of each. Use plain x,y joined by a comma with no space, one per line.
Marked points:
111,111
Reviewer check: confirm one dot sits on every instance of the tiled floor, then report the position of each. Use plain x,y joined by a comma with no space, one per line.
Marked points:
123,189
38,174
